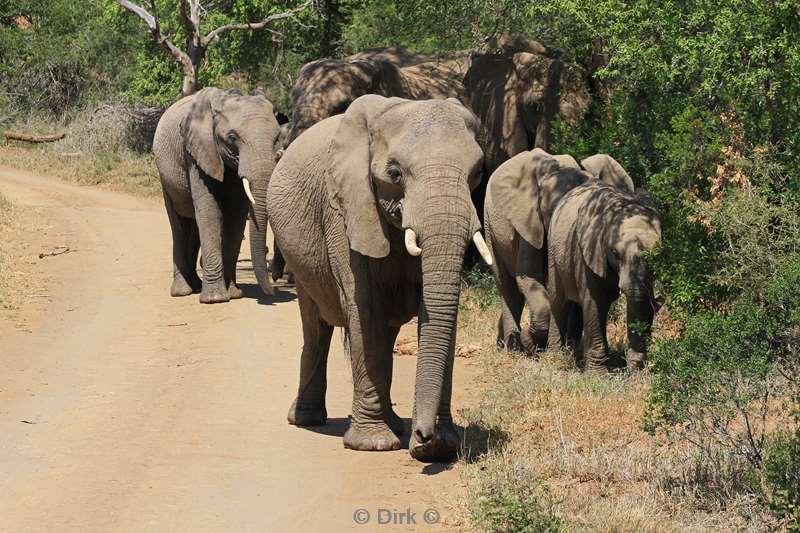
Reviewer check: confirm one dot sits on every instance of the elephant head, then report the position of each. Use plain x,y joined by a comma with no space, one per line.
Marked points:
530,186
229,130
409,166
519,90
615,233
327,87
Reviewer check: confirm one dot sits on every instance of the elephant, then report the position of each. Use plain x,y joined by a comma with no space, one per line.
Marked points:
372,210
522,195
214,151
596,249
517,87
326,87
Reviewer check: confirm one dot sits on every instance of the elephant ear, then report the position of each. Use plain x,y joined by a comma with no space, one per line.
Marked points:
348,177
596,223
386,80
609,171
197,130
566,161
514,187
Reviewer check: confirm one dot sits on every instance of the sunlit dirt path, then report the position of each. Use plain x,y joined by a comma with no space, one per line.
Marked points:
122,409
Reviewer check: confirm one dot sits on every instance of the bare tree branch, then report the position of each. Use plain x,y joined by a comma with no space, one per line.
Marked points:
191,28
254,26
155,29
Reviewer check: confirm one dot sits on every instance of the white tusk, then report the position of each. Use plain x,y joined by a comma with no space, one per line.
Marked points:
480,244
411,243
248,192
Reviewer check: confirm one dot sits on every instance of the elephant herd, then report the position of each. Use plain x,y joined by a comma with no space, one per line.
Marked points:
370,193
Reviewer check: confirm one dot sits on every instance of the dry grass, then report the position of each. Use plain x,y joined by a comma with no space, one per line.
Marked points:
5,253
94,152
577,437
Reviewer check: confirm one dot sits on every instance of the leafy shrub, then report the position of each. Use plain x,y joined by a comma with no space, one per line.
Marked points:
714,384
481,289
782,475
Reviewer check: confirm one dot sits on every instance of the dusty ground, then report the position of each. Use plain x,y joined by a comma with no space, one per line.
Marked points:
122,409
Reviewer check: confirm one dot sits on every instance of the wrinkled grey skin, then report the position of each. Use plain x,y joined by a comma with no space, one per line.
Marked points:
596,242
204,144
521,197
518,91
339,202
327,87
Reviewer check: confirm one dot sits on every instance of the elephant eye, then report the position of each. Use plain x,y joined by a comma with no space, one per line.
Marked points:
394,174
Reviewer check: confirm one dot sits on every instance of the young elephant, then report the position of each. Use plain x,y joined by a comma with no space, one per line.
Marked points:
521,197
372,210
597,239
215,150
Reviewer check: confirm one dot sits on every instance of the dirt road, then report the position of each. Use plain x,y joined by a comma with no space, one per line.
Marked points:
122,409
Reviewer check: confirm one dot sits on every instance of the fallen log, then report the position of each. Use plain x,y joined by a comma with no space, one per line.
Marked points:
16,136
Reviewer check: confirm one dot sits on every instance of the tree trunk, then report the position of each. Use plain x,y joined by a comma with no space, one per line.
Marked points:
196,53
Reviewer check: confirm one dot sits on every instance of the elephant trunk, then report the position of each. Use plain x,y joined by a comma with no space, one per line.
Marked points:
640,313
258,225
444,236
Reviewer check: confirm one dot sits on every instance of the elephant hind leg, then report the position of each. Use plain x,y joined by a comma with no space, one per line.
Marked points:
185,246
308,409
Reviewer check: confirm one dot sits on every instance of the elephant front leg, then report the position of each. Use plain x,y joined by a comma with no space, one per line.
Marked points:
594,307
308,409
370,423
235,218
209,223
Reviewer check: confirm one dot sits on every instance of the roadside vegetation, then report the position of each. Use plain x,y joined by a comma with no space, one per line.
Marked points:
5,251
700,102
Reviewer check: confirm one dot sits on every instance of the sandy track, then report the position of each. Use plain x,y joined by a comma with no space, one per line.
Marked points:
122,409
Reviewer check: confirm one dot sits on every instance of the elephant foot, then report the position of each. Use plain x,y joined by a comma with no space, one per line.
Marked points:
534,341
634,360
180,287
596,368
442,447
234,292
395,423
214,296
375,437
316,416
512,343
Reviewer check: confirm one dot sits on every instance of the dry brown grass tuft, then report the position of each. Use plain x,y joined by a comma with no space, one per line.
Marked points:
579,436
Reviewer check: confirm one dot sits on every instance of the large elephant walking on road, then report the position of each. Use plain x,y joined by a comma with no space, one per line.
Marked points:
216,150
372,210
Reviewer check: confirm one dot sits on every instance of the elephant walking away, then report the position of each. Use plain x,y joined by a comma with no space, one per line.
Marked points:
372,211
522,195
596,246
215,152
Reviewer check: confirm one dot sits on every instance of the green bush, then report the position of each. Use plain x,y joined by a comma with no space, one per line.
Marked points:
782,475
